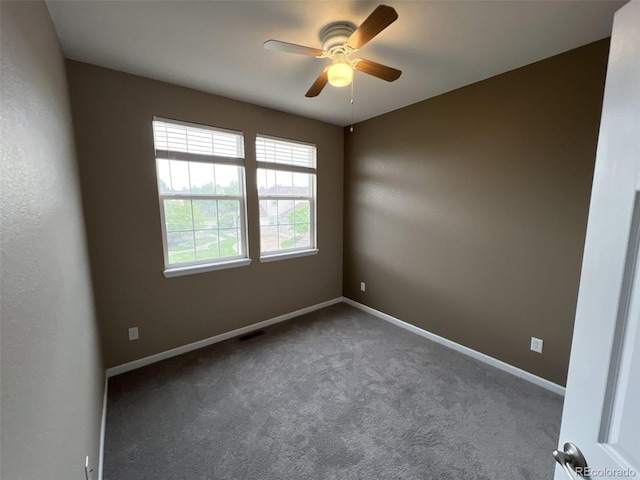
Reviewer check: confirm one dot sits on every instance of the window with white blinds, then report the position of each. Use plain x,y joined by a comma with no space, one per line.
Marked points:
287,195
201,187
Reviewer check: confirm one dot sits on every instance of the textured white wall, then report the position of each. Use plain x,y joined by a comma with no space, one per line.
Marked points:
51,368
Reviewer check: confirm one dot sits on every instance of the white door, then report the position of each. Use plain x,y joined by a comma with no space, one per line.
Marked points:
602,404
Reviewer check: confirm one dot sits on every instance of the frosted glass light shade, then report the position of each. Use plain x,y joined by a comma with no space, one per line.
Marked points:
340,74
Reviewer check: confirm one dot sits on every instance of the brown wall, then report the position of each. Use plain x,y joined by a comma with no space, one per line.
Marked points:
465,214
112,117
51,367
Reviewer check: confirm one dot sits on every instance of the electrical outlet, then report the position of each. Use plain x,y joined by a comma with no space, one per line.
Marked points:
133,333
536,344
87,469
362,286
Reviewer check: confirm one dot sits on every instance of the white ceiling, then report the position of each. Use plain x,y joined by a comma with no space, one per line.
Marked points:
216,46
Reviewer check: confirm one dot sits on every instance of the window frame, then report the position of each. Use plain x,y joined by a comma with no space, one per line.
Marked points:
210,264
312,198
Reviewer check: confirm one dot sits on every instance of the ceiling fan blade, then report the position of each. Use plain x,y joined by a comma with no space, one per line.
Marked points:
318,85
292,48
380,18
378,70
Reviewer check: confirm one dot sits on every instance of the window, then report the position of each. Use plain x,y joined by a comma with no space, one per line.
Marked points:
201,186
287,196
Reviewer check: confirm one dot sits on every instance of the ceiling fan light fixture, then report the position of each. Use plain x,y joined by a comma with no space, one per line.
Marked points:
340,74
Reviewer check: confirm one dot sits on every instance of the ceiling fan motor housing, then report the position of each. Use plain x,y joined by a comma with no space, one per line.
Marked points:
335,35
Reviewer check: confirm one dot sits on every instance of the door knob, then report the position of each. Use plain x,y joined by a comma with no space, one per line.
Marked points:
571,457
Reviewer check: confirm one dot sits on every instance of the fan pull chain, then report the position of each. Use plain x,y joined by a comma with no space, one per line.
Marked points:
352,82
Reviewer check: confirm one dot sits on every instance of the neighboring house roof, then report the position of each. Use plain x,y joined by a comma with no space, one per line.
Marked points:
284,190
287,211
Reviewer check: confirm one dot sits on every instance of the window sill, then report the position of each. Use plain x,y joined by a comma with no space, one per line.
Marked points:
284,256
209,267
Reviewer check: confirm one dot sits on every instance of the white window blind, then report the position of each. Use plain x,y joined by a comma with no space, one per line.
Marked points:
184,141
295,155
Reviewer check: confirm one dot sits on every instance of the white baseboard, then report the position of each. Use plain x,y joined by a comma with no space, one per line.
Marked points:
518,372
143,362
103,426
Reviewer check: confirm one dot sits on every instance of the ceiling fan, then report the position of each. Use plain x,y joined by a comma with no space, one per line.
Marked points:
339,41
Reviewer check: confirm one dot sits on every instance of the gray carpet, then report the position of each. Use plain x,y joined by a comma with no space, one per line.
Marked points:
335,394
